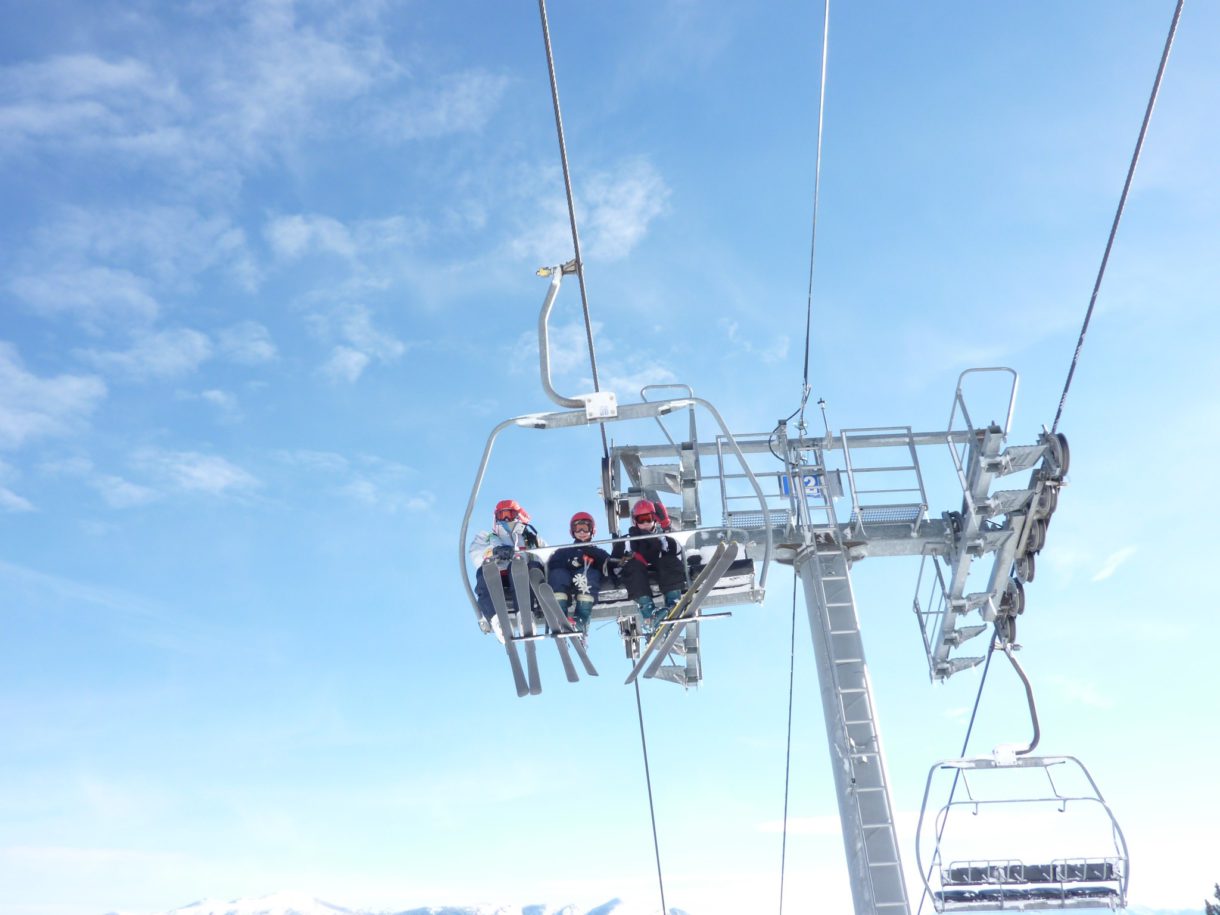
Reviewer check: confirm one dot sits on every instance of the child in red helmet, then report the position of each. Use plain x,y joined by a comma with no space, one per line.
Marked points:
576,571
642,552
510,535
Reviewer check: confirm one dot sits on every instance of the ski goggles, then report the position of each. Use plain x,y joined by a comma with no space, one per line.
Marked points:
585,526
506,514
646,518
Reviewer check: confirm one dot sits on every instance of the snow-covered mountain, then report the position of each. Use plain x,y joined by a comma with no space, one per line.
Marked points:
301,904
290,903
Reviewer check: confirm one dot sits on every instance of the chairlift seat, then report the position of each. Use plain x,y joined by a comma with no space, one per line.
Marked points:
735,586
990,885
1018,872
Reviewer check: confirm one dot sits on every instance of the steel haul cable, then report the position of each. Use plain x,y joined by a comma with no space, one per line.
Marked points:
1122,202
965,745
813,235
813,229
584,299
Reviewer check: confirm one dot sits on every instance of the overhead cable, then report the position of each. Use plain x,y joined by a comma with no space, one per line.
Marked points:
567,184
584,301
1122,202
813,230
965,745
813,237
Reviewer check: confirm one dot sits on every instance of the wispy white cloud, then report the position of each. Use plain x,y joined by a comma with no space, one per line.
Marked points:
229,92
456,103
299,234
98,296
82,99
247,343
620,206
254,84
115,491
9,500
325,461
192,471
75,466
614,209
112,268
775,351
77,593
1114,561
168,244
379,494
1081,691
284,76
626,381
33,407
163,354
120,493
345,364
357,342
222,400
365,479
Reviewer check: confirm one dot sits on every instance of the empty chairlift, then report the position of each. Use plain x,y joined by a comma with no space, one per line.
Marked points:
1019,833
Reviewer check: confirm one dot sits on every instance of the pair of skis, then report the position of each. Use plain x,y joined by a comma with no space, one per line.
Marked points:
669,629
527,582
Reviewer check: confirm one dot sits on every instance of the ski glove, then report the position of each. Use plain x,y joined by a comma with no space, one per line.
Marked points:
502,552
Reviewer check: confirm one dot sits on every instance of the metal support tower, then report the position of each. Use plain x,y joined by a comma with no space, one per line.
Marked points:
873,862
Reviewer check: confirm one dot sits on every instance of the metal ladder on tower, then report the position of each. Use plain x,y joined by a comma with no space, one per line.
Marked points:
864,798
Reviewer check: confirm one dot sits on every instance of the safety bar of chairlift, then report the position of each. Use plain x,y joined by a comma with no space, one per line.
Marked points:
1015,762
580,418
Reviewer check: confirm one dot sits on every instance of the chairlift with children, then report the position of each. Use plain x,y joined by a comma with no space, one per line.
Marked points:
629,474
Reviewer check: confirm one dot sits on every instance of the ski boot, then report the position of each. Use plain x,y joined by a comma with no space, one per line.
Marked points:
584,612
647,611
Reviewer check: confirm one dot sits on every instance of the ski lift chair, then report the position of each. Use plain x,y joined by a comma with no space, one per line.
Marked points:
602,407
990,866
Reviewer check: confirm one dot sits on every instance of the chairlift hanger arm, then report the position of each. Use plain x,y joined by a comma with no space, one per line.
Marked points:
544,344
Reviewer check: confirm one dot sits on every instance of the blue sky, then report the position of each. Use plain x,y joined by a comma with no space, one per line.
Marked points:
266,285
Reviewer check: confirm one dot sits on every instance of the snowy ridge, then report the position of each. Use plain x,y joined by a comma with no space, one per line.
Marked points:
293,903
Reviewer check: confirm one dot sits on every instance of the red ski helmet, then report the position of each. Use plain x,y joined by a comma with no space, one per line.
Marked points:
510,510
643,507
587,518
